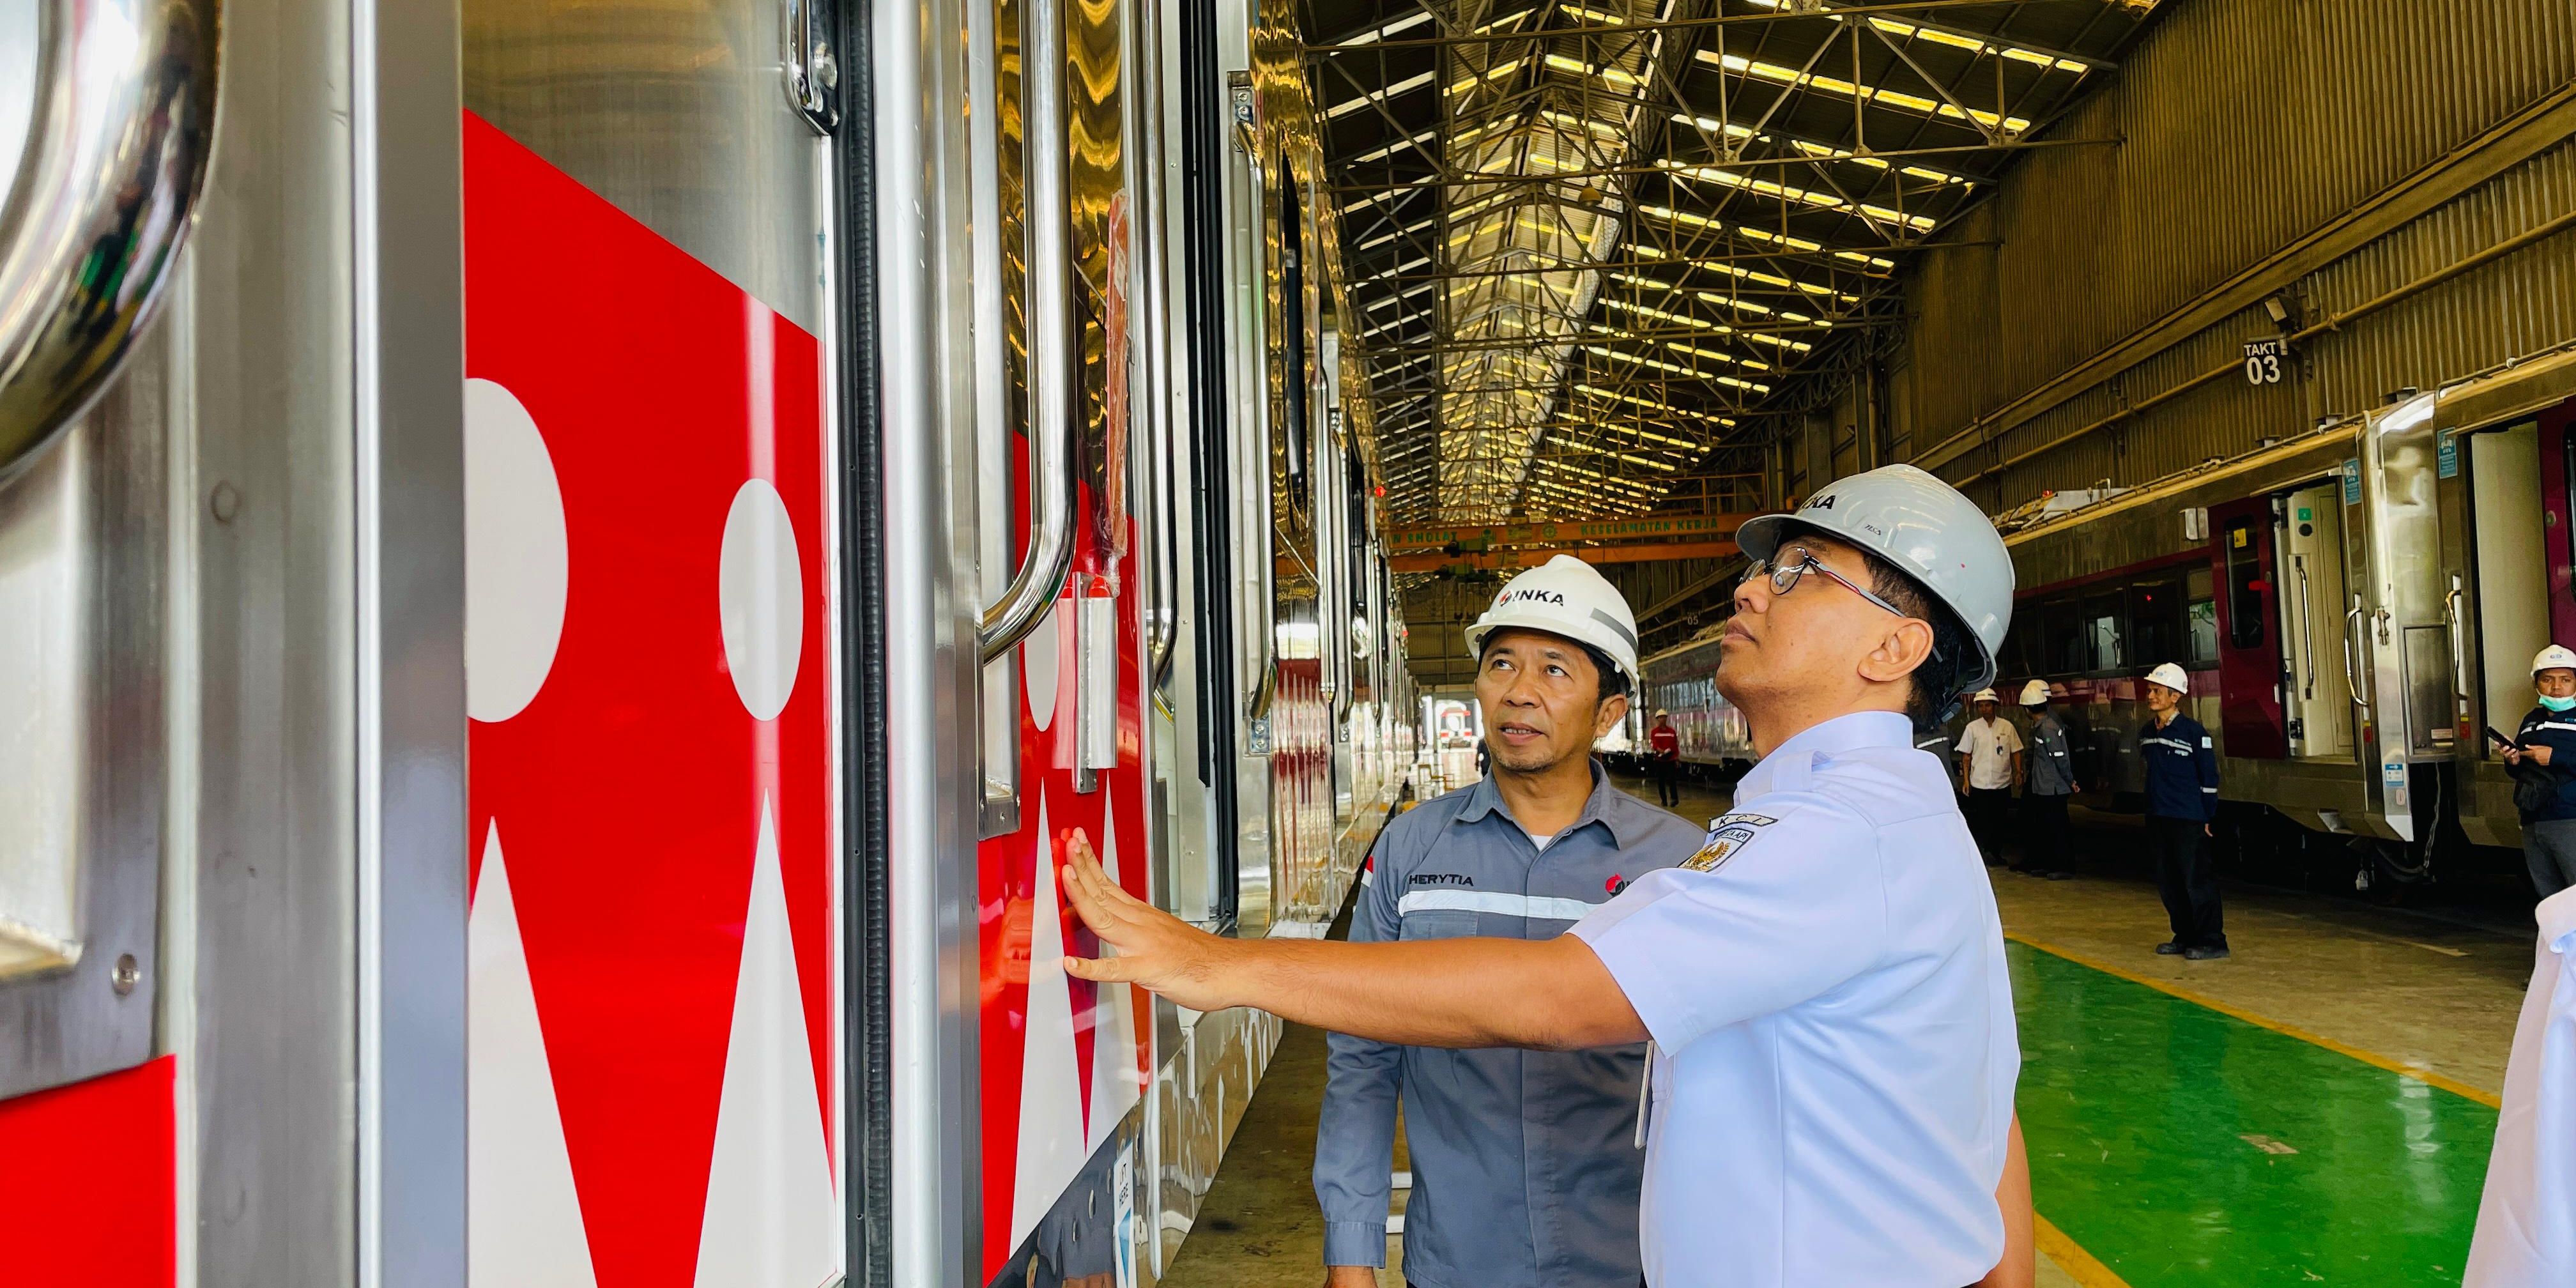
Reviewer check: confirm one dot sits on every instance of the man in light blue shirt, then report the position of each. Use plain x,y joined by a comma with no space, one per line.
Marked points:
1824,979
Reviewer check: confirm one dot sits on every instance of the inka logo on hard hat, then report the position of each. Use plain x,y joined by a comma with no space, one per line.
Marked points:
1565,596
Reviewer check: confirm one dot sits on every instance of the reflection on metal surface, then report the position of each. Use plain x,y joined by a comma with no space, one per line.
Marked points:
106,191
82,764
672,113
1050,367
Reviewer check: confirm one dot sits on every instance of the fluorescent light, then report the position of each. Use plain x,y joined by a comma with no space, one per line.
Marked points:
1350,105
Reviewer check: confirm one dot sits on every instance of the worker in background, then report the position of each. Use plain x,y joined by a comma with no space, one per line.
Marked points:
1824,979
2047,786
1525,1168
1989,768
2182,800
1664,749
2547,741
2526,1231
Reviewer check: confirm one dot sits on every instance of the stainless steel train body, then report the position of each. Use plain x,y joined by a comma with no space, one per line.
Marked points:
541,706
2353,606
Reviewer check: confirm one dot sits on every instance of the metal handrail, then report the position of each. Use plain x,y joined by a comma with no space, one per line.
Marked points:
1052,373
2352,622
2307,627
117,145
1162,470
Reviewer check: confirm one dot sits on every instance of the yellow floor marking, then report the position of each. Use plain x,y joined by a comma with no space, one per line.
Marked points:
2372,1058
2071,1257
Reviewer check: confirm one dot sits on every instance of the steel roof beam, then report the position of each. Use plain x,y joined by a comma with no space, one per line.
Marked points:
1327,51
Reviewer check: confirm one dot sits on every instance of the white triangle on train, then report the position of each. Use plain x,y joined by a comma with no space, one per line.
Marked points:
1113,1046
1051,1139
772,1219
523,1214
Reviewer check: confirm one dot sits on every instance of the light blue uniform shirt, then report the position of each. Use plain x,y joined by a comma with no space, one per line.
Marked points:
1825,983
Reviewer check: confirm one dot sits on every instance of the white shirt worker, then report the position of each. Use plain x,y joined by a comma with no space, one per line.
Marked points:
1990,745
1832,1092
2526,1232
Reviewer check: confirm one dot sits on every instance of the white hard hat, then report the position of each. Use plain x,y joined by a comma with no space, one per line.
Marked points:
1661,712
2170,676
2034,693
1985,695
1564,596
2553,656
1930,532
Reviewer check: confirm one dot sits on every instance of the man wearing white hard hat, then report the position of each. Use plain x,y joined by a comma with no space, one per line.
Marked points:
2544,750
1832,1090
1989,768
2048,787
2182,801
1525,1174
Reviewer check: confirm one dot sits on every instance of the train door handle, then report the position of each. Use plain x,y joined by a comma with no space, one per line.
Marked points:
2307,627
124,122
2352,656
1054,389
2459,653
811,74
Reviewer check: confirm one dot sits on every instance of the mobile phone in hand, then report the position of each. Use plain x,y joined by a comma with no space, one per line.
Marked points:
2502,743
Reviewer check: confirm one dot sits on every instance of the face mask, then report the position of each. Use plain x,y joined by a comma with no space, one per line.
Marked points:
2558,704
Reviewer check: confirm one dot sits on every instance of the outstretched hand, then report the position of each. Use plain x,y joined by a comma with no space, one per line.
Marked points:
1154,949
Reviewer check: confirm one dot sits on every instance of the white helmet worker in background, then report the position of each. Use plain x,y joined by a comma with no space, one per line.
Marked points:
1833,942
2035,694
2047,786
1990,767
2181,761
2547,743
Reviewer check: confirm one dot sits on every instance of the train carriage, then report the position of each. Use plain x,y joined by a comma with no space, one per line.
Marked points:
548,690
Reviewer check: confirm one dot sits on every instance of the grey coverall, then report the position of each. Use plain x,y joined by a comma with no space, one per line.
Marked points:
1525,1165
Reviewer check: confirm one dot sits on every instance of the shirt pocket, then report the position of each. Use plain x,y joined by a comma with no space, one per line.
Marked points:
1437,923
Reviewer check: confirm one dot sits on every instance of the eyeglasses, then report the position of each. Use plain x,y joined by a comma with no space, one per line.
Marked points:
1784,577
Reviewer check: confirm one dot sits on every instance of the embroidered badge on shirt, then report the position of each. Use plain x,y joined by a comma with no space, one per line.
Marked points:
1726,834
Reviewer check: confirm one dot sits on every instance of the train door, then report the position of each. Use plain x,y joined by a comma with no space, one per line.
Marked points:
2507,576
2250,684
2316,699
654,784
2494,553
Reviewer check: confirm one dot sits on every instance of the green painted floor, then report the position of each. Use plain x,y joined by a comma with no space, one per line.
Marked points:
2183,1147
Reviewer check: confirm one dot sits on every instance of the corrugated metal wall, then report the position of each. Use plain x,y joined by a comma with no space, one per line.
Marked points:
2242,126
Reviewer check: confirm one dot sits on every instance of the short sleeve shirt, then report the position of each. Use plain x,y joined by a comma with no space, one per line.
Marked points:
1990,745
2526,1228
1825,982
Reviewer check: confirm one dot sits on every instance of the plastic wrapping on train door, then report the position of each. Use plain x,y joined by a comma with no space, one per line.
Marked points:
1096,704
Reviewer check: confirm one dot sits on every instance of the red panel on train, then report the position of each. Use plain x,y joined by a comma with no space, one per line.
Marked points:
90,1195
627,763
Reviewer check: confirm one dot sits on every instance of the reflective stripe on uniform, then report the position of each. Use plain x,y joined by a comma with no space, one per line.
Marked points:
1500,901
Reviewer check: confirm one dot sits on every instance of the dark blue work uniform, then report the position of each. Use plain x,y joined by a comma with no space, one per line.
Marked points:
2549,835
2182,798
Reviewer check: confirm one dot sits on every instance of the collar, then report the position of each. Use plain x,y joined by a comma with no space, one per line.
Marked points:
1786,768
1485,798
2557,917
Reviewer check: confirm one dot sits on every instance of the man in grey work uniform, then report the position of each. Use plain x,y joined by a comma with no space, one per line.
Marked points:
1526,1168
2051,785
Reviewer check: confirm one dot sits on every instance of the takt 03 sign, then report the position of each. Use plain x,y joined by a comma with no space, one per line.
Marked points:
2264,359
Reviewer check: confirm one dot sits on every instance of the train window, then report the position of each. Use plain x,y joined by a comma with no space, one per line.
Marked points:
2201,615
2103,630
2156,621
2245,584
2063,642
